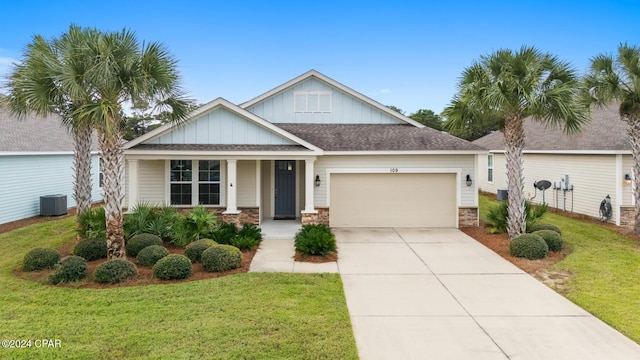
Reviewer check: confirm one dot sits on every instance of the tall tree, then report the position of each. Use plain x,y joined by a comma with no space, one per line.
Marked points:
618,79
474,126
514,85
36,85
428,118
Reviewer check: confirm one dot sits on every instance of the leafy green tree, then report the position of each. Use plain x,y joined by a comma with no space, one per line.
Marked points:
475,126
396,109
428,118
141,123
115,71
618,79
514,85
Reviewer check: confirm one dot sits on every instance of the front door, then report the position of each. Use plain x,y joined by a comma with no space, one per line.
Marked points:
285,189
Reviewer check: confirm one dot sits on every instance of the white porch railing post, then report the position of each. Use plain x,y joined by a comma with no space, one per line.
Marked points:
309,186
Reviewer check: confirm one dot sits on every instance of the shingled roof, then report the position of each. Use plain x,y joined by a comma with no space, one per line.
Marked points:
604,132
377,137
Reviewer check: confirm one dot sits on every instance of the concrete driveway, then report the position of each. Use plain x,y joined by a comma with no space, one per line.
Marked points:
439,294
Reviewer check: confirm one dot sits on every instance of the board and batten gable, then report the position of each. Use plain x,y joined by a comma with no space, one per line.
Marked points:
221,126
593,177
343,108
464,164
25,178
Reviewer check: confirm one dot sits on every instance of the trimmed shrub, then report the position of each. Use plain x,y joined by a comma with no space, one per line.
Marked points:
70,268
244,242
141,241
536,227
529,246
114,271
315,239
221,258
251,231
497,216
91,249
151,254
92,224
552,238
172,267
225,232
194,250
40,258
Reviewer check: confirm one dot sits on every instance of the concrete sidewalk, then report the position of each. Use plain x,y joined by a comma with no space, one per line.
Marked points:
439,294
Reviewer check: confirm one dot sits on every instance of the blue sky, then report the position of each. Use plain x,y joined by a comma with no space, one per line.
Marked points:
403,53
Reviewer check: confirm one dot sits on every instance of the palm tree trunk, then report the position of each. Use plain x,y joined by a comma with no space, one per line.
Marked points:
514,139
113,172
634,138
82,167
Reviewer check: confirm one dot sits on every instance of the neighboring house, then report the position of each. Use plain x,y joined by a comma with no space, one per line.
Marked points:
36,159
313,149
583,168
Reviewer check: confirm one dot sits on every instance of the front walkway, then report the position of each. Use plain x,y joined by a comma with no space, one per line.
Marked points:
439,294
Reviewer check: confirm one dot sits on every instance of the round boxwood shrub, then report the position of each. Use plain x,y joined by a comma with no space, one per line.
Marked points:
151,254
40,258
70,268
114,271
172,267
194,250
552,238
315,239
141,241
91,249
529,246
537,227
221,258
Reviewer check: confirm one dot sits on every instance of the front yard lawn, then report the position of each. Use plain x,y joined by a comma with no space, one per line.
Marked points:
604,267
242,316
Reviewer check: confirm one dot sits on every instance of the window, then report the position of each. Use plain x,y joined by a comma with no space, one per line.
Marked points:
490,168
205,187
181,182
209,182
312,101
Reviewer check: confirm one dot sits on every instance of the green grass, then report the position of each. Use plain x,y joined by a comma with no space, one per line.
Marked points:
243,316
605,268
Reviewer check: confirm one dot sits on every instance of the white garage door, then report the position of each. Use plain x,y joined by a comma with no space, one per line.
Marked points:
393,200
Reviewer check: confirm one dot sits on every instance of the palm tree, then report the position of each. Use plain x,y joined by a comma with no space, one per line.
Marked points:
618,80
514,85
36,86
114,71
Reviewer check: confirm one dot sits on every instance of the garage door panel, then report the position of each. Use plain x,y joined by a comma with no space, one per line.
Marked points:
402,200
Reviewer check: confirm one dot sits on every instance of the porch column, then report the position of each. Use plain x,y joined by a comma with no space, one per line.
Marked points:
309,186
133,184
232,205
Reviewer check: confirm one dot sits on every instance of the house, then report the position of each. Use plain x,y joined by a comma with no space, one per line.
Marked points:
36,159
310,149
582,169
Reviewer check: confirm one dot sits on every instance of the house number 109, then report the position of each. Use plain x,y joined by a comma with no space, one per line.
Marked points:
393,170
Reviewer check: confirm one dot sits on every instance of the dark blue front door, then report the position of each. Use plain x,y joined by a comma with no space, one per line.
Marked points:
285,189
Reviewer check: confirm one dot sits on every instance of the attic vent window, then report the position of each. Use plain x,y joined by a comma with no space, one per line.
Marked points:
312,101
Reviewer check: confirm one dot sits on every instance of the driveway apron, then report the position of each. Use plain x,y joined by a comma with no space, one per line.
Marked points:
439,294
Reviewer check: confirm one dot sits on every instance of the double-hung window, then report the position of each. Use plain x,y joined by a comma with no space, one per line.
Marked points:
201,189
490,168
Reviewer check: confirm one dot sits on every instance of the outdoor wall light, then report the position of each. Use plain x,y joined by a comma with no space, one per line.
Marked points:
627,178
469,181
317,180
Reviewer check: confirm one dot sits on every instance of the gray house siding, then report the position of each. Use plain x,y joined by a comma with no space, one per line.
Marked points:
24,178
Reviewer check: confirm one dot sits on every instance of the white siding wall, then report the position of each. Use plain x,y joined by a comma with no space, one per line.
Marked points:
24,178
627,168
152,176
593,178
454,162
345,109
246,176
221,127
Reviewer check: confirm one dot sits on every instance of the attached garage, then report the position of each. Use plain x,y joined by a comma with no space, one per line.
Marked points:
393,200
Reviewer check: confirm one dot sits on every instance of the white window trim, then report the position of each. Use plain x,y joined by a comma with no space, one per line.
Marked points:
492,168
194,183
306,105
